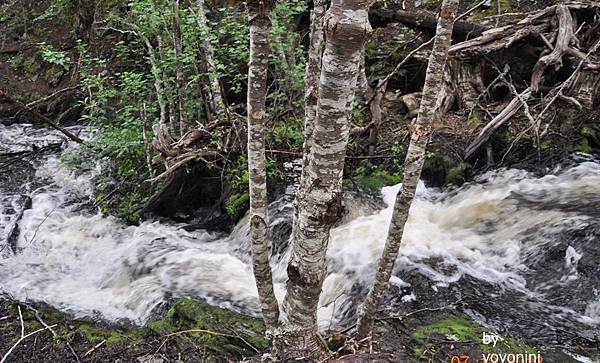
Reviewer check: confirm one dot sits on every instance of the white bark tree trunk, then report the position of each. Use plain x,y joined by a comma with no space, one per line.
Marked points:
215,88
311,83
169,96
180,76
313,70
319,195
259,19
413,165
158,81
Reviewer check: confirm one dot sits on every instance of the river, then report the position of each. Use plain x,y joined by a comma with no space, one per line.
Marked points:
526,247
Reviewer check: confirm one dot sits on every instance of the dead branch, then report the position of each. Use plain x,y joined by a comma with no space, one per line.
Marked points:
39,318
513,106
52,95
46,120
94,348
23,335
462,29
565,35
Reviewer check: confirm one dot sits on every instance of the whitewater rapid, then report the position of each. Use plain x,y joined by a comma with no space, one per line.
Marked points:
492,230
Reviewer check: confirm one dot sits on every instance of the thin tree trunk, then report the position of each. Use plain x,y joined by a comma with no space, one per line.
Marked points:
180,77
313,70
146,125
311,83
209,55
319,195
171,102
259,18
156,73
376,116
413,165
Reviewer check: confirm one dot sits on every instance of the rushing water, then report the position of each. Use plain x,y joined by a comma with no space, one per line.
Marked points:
535,240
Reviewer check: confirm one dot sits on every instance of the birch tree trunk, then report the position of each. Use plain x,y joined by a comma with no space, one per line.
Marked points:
180,77
319,195
313,70
259,19
171,102
158,82
209,54
413,165
311,83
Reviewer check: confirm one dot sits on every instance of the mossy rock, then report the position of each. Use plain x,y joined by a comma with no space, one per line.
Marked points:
376,180
463,330
457,175
237,204
199,323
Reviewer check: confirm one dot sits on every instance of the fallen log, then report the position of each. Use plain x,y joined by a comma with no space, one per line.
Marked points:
509,111
462,29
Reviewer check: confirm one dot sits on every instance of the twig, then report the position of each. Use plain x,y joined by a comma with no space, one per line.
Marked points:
39,225
244,340
204,331
468,12
23,335
50,96
21,319
94,348
39,318
383,82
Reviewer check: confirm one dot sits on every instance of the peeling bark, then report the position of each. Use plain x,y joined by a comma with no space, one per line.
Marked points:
259,19
319,196
413,164
311,83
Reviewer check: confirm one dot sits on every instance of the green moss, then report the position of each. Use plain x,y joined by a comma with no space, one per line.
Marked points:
235,202
218,329
457,174
132,339
462,329
474,120
376,180
584,146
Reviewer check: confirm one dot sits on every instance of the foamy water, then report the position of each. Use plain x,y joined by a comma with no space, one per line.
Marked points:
93,265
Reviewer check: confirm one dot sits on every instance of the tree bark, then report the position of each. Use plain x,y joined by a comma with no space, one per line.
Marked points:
311,83
259,19
413,165
319,195
180,76
209,54
313,70
170,101
563,39
158,82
